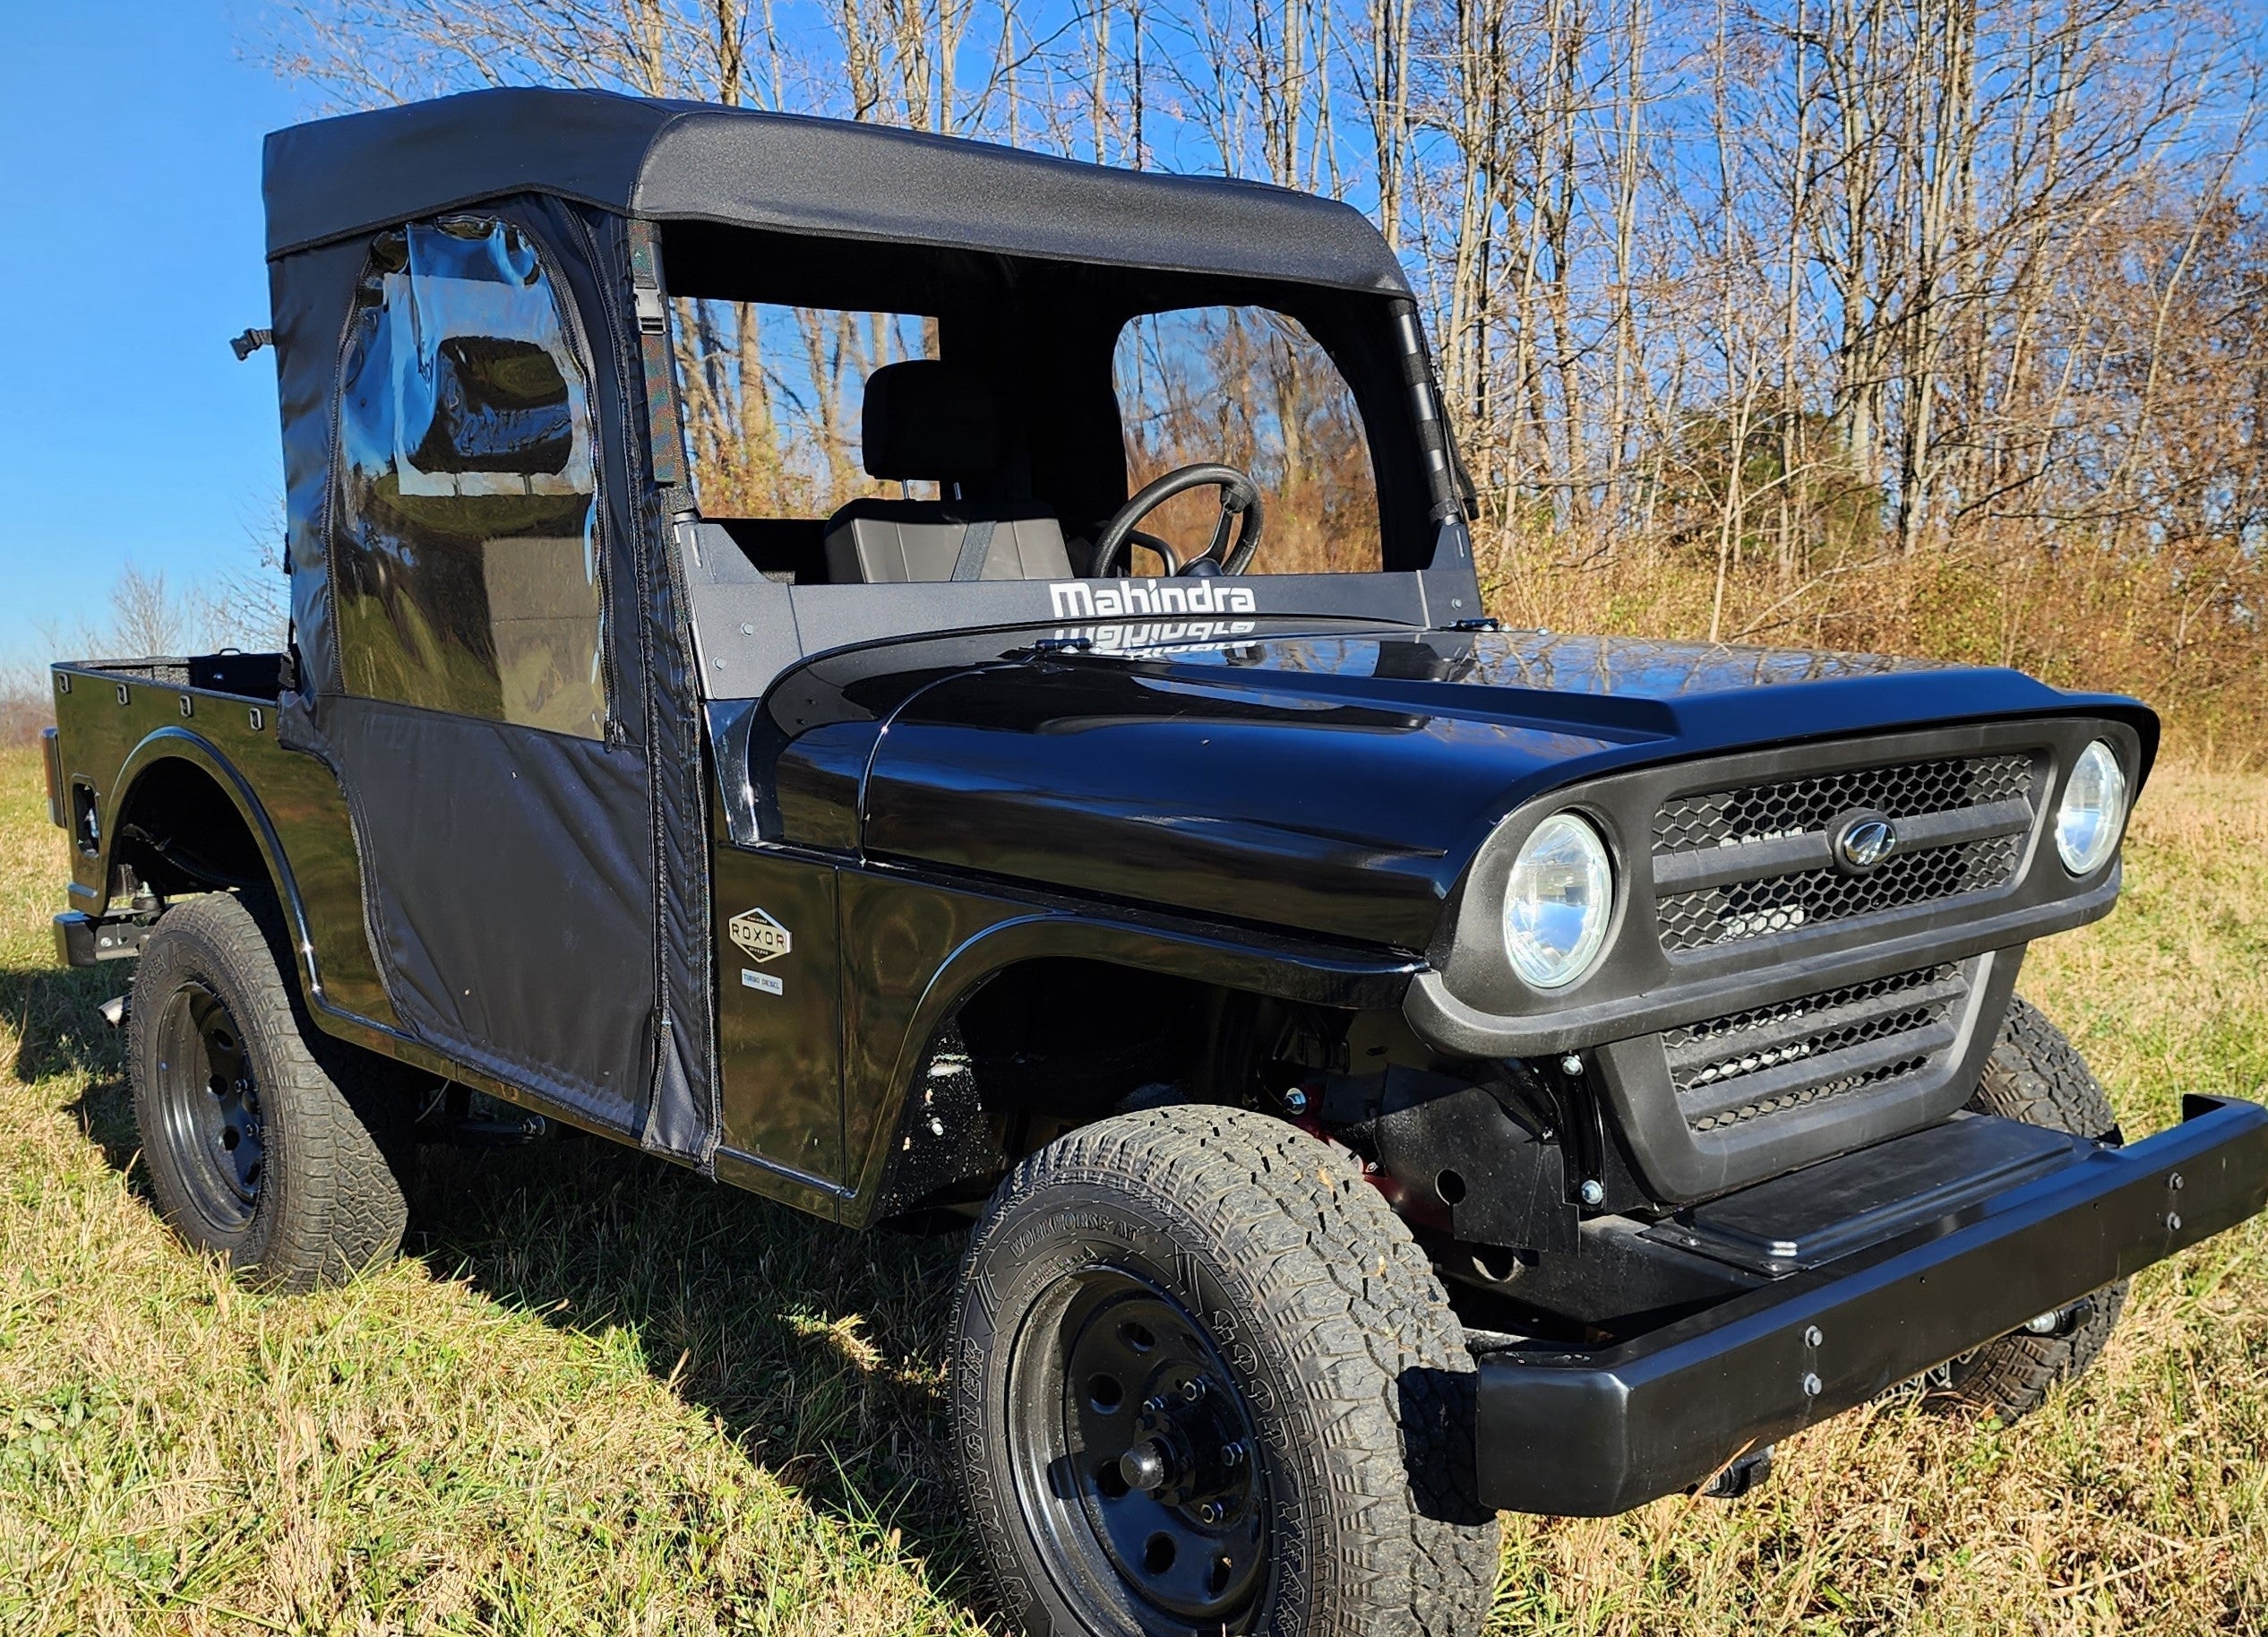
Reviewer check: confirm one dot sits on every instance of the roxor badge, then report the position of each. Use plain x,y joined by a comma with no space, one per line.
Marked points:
764,938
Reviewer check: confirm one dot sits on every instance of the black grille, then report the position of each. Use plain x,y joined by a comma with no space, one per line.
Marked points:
1796,1099
1732,1069
1756,861
1757,908
1727,818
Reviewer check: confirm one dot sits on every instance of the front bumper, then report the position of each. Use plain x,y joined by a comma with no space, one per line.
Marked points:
1591,1434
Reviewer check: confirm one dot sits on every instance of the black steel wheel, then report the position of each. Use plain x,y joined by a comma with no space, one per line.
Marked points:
2036,1075
253,1144
207,1108
1205,1382
1133,1450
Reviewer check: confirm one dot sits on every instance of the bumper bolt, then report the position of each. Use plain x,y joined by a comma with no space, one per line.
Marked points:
2046,1324
1295,1100
2173,1222
2173,1181
1570,1064
1592,1192
1812,1385
1812,1336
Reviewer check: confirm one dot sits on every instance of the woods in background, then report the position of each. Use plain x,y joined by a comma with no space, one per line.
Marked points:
1931,325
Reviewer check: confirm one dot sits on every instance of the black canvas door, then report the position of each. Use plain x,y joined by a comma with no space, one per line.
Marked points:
502,792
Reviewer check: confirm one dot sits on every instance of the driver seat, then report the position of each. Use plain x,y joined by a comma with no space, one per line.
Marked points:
928,421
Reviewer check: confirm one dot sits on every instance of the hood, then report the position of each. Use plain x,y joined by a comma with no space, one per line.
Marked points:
1337,781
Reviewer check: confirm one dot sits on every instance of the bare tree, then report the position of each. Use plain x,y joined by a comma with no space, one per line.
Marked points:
1741,306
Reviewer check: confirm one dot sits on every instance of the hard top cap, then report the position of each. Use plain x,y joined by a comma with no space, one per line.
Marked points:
665,160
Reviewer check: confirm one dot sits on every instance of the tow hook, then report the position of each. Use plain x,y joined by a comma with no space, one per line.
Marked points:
1740,1476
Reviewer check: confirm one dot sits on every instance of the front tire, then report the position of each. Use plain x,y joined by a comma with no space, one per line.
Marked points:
1205,1380
253,1148
2036,1075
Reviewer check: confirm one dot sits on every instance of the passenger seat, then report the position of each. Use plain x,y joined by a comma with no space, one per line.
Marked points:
928,421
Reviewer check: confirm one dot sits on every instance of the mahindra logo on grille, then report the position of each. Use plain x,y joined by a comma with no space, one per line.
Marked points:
1864,842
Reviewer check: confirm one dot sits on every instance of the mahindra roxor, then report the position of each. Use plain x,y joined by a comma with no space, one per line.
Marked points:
1387,1069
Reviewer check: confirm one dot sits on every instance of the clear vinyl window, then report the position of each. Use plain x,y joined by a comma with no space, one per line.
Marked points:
464,555
1252,388
775,396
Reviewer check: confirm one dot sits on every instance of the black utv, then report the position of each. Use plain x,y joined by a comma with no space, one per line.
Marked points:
1389,1069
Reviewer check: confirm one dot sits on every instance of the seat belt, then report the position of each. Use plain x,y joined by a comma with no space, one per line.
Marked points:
977,545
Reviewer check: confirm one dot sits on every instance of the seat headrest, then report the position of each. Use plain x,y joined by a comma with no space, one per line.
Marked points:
926,420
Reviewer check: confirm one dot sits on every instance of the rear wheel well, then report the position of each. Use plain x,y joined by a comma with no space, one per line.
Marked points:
178,831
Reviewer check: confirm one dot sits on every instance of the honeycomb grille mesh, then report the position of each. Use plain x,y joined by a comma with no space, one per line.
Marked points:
1779,1102
1708,1056
1728,818
1721,822
1732,1035
1756,908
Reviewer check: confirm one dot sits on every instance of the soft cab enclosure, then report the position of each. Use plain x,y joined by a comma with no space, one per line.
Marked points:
507,621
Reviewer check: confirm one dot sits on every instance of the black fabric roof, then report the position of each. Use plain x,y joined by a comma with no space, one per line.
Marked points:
692,161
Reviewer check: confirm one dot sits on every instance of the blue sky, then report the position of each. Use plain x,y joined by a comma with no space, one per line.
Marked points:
130,131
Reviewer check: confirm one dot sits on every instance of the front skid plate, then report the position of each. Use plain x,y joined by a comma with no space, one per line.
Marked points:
1592,1434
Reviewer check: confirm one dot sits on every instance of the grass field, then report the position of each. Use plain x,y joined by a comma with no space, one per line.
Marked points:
602,1396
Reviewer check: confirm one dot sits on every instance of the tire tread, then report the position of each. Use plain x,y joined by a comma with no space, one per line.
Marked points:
1411,1552
330,1204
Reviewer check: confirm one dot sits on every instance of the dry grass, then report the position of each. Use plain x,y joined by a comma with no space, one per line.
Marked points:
605,1397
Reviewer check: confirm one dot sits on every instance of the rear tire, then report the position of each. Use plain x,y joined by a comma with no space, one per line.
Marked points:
1205,1380
2036,1075
253,1147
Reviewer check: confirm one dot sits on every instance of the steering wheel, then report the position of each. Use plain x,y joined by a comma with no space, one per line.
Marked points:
1240,508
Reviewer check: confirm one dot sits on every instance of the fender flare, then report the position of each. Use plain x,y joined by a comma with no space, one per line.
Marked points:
1284,968
177,743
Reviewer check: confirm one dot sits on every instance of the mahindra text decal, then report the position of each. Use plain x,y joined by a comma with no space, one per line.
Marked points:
1078,599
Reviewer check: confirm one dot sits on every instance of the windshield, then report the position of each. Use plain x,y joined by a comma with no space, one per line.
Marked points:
1253,389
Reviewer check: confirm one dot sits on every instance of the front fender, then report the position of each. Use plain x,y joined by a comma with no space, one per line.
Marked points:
896,1007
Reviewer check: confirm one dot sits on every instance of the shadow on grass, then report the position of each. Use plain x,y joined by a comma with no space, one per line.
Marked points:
60,1034
817,1350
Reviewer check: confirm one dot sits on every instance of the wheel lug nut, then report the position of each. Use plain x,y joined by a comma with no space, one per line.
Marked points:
1193,1389
1156,1406
1233,1454
1210,1512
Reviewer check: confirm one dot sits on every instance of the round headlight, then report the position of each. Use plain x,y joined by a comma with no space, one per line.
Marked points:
2093,810
1556,902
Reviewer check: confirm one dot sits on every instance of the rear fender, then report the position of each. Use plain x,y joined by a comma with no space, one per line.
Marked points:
183,745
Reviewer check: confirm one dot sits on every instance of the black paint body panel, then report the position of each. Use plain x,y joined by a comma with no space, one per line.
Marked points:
778,1018
1336,780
